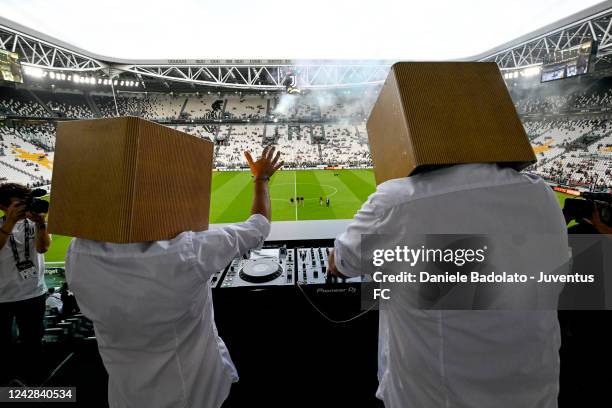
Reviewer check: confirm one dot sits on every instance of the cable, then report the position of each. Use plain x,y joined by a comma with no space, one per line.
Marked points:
329,318
57,368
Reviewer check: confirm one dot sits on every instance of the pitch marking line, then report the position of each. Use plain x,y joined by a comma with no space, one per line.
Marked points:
295,191
312,184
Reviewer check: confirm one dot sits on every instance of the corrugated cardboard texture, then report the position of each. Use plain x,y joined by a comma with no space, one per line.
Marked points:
441,113
128,180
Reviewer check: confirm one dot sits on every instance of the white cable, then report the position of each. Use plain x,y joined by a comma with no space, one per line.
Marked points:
329,318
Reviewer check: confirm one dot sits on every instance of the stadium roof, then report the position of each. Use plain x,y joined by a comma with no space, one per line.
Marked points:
105,44
126,32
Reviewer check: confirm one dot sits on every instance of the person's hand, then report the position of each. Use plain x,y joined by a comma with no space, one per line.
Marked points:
15,212
36,217
331,266
598,223
267,164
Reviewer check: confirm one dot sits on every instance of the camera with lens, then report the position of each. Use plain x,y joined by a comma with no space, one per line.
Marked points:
581,209
34,204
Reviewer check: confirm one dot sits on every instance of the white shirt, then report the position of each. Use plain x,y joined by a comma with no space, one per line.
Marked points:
13,287
463,358
152,310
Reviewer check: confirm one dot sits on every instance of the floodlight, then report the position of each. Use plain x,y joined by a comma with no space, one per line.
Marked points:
34,72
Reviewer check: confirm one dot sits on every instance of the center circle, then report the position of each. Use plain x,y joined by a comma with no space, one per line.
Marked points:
333,189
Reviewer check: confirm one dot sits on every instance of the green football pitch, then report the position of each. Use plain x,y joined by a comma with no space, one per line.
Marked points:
232,193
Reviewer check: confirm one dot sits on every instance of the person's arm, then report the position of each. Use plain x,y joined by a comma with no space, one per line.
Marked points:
14,213
599,225
331,265
217,247
345,259
262,170
43,241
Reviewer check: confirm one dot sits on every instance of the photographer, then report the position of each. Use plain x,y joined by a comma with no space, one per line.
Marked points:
584,316
23,240
587,214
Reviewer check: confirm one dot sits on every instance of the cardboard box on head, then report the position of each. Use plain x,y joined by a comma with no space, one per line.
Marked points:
443,113
127,180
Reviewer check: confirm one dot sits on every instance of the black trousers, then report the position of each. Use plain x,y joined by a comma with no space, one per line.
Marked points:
20,359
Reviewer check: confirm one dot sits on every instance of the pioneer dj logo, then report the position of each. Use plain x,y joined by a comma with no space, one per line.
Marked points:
350,289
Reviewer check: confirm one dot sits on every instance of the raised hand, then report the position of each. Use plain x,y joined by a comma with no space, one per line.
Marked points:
266,165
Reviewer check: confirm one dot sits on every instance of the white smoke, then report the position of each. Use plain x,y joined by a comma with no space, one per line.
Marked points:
355,100
286,105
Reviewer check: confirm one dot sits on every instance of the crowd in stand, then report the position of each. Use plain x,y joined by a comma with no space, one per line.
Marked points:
247,107
308,146
572,151
125,105
71,111
20,104
575,170
31,138
561,99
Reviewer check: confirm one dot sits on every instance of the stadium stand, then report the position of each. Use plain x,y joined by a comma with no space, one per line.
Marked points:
300,151
345,147
67,105
320,128
602,147
342,108
163,107
200,131
25,153
21,103
296,107
235,140
152,107
127,105
573,152
557,136
575,169
201,106
563,97
246,107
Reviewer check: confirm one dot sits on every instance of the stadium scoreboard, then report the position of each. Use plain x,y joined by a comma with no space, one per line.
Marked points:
10,67
568,62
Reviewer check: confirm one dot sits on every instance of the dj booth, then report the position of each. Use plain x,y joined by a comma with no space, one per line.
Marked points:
297,338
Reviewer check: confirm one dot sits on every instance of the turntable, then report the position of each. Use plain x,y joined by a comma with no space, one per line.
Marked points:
260,271
264,267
